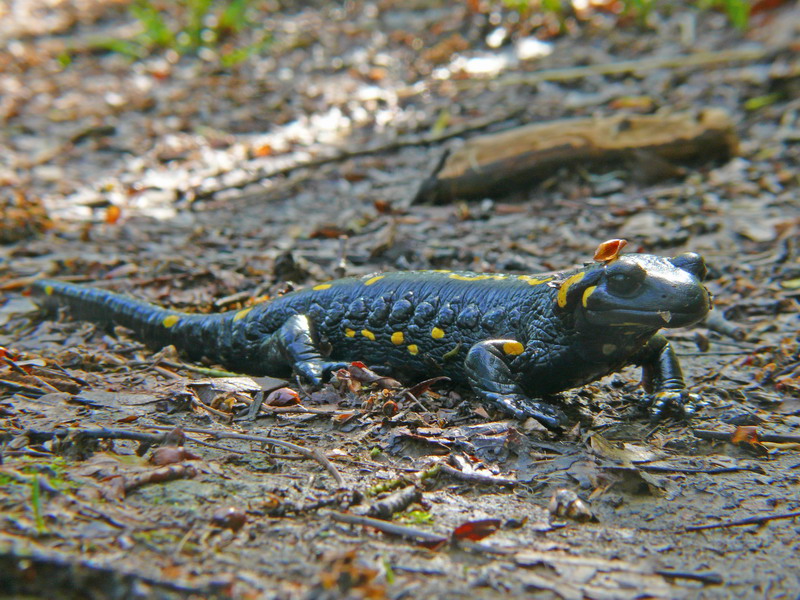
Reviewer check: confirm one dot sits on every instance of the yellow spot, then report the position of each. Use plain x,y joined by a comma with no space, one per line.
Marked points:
170,321
437,333
321,286
413,349
513,348
609,349
398,338
48,289
533,280
350,332
562,291
242,313
368,334
586,293
372,280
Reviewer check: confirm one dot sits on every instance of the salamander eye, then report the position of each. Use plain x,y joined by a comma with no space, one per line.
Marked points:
624,279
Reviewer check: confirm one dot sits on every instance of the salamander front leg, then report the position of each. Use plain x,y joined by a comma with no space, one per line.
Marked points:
491,378
294,346
663,380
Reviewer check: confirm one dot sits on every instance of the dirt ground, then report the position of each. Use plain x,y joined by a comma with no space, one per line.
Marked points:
200,187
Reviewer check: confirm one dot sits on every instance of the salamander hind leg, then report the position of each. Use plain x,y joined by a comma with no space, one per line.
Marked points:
294,346
491,378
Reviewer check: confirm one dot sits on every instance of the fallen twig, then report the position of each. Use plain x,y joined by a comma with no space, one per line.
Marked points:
403,142
313,454
477,478
404,531
709,470
747,521
725,436
173,436
699,59
707,578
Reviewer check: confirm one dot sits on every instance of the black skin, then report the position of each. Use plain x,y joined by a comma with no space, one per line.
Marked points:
512,338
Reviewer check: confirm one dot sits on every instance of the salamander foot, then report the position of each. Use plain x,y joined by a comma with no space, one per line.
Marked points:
523,407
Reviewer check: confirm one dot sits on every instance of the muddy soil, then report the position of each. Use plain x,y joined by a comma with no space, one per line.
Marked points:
200,187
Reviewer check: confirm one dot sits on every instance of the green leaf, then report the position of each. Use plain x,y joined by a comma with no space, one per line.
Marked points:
155,27
234,18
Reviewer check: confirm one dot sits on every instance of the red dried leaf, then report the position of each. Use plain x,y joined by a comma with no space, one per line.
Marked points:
262,150
113,213
609,250
282,397
476,530
745,434
424,386
359,372
390,408
229,517
432,544
327,232
343,418
766,5
168,455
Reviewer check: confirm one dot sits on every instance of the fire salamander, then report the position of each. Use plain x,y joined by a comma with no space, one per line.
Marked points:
512,338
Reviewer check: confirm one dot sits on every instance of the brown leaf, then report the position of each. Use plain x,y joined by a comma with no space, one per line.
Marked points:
359,372
229,517
327,232
167,455
282,397
745,434
423,386
113,213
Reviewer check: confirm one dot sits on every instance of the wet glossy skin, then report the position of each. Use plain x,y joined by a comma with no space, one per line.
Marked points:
511,338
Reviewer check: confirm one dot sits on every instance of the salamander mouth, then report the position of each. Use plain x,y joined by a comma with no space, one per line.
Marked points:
630,317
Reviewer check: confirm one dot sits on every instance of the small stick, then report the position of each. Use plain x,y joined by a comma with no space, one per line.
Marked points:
314,454
725,436
747,521
387,527
698,59
710,470
477,478
708,578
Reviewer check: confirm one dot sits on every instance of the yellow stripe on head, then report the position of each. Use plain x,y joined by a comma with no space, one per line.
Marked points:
48,289
586,293
372,280
562,291
170,321
321,286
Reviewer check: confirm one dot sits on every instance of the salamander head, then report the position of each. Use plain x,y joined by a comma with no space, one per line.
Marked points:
640,291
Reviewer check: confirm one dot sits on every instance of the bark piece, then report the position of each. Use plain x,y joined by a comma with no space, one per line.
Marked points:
500,163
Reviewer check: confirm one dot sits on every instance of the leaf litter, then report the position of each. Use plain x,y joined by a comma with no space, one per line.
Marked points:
187,184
